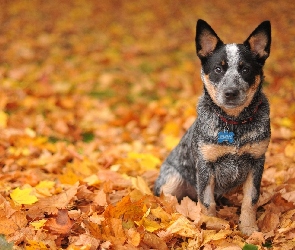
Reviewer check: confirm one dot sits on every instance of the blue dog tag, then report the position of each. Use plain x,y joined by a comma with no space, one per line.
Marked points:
225,136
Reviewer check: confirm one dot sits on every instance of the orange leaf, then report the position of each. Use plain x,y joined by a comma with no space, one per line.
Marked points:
61,224
189,209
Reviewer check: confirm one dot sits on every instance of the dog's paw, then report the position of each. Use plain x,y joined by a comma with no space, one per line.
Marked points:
248,229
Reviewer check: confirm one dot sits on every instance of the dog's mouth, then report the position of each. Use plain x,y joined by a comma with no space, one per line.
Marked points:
231,99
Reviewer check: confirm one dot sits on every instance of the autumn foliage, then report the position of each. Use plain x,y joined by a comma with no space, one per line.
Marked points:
93,97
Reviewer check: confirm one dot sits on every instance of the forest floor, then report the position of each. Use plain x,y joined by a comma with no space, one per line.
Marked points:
93,97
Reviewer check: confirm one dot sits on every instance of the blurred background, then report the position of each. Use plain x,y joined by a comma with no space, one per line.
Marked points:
56,56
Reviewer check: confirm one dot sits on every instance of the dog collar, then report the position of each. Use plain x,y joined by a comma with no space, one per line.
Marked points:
239,122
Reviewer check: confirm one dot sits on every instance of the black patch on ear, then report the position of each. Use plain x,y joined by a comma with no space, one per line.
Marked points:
206,39
259,41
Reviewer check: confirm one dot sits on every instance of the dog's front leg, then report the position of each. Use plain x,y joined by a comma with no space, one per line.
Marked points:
251,190
205,187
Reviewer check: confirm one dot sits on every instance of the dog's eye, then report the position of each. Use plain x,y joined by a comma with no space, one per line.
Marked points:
218,70
245,70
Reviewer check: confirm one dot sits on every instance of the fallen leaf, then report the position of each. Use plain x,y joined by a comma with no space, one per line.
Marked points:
189,209
23,196
61,224
38,224
140,184
154,241
147,161
133,237
182,227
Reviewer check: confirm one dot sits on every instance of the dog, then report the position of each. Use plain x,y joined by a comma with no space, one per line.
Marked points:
225,146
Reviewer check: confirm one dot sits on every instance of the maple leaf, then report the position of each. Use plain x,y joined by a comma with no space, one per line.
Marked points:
182,227
140,184
189,209
51,204
133,237
147,161
87,242
23,196
34,245
148,224
38,224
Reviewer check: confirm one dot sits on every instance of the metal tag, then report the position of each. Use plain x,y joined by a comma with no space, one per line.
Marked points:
225,136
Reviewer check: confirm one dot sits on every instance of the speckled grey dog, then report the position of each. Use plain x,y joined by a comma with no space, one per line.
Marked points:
225,147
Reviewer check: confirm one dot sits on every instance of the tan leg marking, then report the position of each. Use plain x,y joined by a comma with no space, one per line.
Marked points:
209,199
211,152
248,211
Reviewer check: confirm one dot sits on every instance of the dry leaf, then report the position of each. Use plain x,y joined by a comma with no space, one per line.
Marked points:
61,224
23,196
140,184
189,209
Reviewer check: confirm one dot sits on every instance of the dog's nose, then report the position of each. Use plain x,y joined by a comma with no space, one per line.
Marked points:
231,94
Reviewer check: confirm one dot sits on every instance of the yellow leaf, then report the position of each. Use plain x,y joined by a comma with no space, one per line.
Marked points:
171,128
290,150
183,227
69,176
140,184
44,187
92,180
3,119
161,214
286,122
150,225
23,196
212,235
38,224
147,161
170,141
36,245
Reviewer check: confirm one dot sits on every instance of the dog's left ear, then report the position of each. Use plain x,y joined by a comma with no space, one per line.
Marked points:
259,41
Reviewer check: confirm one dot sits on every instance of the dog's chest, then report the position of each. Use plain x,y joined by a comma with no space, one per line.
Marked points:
216,141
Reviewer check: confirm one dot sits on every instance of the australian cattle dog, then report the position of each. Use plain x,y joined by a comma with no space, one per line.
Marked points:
225,146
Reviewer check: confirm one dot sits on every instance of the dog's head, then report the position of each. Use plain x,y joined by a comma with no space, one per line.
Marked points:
232,73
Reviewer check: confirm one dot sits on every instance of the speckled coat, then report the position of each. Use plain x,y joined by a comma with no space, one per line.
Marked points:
204,166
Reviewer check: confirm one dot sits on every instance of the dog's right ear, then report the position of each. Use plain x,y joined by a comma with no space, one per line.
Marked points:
206,39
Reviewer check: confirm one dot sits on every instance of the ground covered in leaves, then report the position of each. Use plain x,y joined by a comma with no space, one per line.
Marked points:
93,97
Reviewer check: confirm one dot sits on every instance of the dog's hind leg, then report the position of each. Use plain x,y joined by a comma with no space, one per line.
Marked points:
171,182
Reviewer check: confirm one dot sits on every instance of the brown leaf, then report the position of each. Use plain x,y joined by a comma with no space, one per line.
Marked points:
100,198
61,224
269,221
87,240
51,204
256,238
189,209
154,241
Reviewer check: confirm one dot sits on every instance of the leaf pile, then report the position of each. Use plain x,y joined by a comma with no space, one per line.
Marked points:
93,97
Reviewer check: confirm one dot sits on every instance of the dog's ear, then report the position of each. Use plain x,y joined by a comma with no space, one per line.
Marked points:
206,39
259,41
